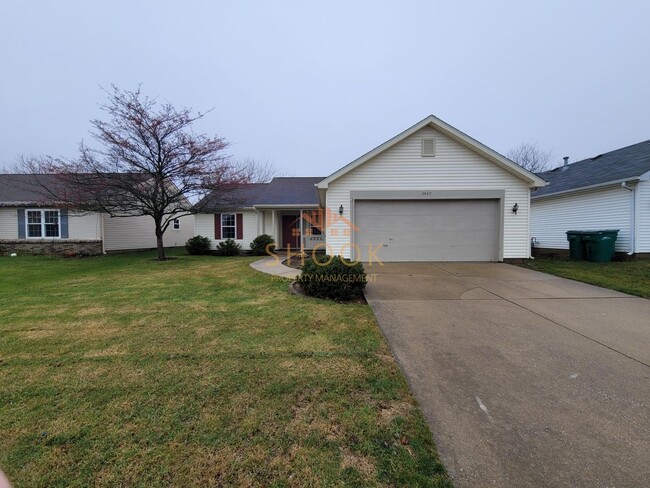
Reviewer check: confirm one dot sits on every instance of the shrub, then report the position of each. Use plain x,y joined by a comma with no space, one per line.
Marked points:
198,245
333,277
258,246
228,248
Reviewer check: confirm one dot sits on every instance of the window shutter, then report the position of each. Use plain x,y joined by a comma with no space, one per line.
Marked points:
63,214
21,224
239,228
217,226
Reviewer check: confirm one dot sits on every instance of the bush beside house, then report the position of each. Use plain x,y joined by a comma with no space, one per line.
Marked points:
228,248
333,277
198,245
260,243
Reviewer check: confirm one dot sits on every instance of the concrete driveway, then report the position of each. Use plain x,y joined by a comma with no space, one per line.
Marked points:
525,379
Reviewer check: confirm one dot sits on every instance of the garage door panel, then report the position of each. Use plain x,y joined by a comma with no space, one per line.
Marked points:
427,230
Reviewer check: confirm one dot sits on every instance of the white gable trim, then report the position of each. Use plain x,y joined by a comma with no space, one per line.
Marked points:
533,180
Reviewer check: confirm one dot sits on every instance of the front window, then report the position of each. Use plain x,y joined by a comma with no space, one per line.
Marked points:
177,224
315,220
228,226
43,223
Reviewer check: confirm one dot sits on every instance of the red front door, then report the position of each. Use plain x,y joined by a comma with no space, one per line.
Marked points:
291,231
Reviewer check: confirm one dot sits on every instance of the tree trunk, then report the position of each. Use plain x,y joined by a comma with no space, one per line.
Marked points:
159,241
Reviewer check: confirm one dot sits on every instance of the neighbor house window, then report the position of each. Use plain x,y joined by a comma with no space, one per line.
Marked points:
228,226
177,224
43,223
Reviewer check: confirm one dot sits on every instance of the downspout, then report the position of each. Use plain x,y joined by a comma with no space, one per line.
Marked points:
102,229
632,217
302,247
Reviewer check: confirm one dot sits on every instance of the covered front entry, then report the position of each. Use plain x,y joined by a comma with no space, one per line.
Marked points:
427,230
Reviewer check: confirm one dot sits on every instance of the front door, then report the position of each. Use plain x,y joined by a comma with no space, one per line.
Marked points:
291,231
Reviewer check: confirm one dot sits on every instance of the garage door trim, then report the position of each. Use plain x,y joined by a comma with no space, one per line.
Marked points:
426,194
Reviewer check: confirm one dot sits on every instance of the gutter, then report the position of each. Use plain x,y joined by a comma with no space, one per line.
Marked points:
590,187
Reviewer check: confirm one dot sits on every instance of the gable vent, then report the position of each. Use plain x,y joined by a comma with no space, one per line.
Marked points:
428,146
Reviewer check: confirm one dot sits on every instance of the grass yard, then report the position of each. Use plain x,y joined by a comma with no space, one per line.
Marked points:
631,277
197,371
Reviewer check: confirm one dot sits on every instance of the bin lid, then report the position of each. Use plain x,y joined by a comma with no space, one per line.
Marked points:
584,232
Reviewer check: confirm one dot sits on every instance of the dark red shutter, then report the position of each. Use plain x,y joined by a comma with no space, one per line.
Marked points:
217,226
240,226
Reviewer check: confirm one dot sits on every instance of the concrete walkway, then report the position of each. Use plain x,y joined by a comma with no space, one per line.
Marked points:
525,379
273,265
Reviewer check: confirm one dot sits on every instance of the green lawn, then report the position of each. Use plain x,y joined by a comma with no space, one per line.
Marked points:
197,371
631,277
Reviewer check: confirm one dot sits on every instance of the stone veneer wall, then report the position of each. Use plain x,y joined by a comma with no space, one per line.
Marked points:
51,247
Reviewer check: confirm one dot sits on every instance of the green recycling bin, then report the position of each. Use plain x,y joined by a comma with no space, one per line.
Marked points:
576,245
599,245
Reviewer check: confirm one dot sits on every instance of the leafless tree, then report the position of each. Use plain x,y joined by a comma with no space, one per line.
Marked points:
148,161
259,171
531,157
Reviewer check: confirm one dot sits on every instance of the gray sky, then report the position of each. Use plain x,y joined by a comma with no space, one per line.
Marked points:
313,85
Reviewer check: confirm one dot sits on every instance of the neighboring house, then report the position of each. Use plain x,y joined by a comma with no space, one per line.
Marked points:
431,193
29,223
609,191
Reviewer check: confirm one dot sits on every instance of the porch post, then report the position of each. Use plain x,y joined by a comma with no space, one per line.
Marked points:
302,246
273,229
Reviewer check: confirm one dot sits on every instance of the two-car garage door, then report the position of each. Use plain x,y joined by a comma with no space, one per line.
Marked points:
427,230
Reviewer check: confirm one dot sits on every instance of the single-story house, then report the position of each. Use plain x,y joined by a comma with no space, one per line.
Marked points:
608,191
30,223
431,193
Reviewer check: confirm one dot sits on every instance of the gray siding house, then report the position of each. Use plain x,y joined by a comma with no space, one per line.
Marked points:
608,191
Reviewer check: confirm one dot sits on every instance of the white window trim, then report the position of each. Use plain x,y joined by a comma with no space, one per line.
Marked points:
174,222
233,226
43,224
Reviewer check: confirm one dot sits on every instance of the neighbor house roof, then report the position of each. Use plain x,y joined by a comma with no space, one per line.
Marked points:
625,164
279,192
27,189
532,179
19,189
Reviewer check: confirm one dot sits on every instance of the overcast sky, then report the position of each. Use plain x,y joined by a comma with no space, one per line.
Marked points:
313,85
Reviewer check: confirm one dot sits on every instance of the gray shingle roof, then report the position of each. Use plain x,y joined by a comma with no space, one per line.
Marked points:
26,189
294,190
625,163
279,191
235,198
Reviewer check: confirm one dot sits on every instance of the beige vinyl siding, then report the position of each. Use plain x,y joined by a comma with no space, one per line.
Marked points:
454,167
126,233
609,208
8,223
205,227
85,226
643,217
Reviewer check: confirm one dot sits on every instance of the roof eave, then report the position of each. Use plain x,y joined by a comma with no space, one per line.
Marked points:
591,187
261,206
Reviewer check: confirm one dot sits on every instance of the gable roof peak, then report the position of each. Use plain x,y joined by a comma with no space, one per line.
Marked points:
431,120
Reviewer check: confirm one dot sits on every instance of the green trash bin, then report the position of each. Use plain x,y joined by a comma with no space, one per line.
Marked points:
576,245
599,245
